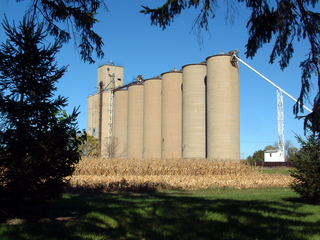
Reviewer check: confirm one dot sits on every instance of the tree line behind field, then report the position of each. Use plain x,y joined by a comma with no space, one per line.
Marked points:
258,156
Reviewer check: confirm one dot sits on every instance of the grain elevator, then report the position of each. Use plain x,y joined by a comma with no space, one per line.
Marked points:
187,113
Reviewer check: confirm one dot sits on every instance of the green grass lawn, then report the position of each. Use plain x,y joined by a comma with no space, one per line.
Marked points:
279,170
275,213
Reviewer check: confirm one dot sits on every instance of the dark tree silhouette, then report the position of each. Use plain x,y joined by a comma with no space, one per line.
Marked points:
38,144
71,18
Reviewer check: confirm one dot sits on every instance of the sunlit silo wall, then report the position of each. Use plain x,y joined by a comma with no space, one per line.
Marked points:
120,117
171,121
92,115
89,114
135,121
193,111
152,119
223,123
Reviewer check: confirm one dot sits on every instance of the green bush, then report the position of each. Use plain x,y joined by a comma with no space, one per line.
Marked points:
89,145
258,156
306,169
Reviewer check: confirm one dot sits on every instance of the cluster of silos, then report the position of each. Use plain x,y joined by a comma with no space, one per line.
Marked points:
191,113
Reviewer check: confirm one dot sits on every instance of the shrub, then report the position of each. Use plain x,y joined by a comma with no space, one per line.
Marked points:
89,145
111,145
306,169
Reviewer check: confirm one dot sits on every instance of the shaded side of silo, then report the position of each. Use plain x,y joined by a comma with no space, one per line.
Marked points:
135,121
120,117
171,118
152,119
92,115
223,121
194,111
89,115
105,126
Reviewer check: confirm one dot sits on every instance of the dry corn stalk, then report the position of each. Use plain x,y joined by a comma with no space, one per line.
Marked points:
148,174
143,167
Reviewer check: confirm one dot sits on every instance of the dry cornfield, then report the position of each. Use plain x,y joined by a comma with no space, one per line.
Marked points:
149,174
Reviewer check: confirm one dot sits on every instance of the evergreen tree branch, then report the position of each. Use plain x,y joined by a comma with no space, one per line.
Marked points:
80,15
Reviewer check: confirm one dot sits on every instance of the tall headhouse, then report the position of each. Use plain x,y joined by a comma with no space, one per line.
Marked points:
100,108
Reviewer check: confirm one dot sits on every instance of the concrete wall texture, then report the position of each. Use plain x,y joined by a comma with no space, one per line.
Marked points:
152,118
135,121
120,120
194,111
223,115
171,121
190,113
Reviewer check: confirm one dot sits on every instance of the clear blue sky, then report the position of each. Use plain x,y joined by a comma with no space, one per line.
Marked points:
130,40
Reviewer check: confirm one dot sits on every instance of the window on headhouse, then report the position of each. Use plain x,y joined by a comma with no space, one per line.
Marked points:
119,79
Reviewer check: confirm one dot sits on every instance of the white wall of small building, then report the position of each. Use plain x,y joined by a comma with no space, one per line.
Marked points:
273,156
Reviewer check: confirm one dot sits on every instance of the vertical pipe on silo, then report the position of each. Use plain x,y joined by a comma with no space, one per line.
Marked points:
135,121
120,121
223,121
193,111
152,119
171,121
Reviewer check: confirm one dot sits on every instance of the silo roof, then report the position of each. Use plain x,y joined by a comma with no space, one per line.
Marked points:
204,64
172,71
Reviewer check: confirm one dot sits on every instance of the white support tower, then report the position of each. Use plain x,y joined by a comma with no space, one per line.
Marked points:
279,103
280,124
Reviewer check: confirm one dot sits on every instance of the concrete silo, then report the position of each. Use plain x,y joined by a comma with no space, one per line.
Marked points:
194,111
120,117
171,121
152,119
92,115
135,121
223,121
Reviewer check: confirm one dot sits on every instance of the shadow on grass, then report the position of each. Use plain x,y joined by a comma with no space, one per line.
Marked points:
166,216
